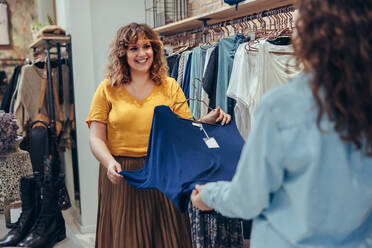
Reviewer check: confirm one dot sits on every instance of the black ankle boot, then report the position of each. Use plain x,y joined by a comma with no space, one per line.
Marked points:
30,196
50,225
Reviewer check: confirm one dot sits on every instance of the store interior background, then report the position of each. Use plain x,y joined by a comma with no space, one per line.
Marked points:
92,25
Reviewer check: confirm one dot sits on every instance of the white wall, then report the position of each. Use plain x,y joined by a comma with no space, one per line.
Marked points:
92,25
108,16
45,8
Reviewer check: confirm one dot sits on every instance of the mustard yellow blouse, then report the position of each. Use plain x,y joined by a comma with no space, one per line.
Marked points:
128,119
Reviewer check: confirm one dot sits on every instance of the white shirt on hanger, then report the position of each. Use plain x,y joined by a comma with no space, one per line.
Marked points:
253,74
244,74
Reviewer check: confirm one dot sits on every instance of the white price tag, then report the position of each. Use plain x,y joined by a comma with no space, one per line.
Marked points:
197,124
14,214
211,142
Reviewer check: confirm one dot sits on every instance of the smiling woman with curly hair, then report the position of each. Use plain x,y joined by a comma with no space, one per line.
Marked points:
120,120
118,69
305,173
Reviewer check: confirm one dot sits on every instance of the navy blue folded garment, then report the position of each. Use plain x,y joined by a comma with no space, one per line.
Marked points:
178,157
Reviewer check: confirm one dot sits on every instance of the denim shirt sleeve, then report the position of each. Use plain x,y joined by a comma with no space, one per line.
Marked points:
259,172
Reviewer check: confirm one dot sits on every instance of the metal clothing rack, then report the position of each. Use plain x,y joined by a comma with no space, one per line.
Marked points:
202,32
48,44
59,42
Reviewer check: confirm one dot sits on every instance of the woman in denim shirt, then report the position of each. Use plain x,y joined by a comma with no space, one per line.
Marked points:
305,173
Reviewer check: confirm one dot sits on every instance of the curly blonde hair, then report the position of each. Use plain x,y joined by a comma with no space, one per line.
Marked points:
118,70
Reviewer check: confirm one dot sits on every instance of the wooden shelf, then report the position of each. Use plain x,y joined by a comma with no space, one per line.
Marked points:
245,8
51,39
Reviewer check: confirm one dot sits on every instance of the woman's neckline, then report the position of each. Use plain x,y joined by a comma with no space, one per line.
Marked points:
143,99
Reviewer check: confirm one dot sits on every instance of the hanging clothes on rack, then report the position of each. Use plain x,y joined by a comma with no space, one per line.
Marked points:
204,94
206,226
185,85
231,74
12,85
210,77
244,70
227,48
28,94
258,68
171,61
197,66
181,68
174,73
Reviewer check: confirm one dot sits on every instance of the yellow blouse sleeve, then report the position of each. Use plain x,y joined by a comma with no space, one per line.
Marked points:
100,107
180,109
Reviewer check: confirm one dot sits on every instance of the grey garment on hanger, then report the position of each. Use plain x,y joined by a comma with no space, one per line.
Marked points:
181,66
187,56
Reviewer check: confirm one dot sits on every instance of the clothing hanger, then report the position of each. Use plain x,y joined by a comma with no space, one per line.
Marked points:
262,22
180,50
282,35
192,99
225,31
235,28
209,38
210,34
241,27
275,36
248,25
195,99
288,13
271,20
285,13
220,32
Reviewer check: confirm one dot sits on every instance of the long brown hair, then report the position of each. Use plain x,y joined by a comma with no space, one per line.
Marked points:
335,40
118,70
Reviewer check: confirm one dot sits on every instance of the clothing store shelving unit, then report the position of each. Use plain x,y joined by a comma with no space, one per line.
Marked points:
58,42
245,8
48,43
52,40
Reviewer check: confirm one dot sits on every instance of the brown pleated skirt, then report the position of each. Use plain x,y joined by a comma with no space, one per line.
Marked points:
136,218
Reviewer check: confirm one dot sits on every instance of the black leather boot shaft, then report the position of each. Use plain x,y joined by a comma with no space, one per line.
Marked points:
30,196
50,226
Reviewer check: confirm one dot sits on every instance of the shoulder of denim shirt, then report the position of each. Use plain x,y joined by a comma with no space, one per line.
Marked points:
292,103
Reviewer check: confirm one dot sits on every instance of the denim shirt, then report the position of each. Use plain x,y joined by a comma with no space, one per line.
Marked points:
302,187
197,66
227,48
